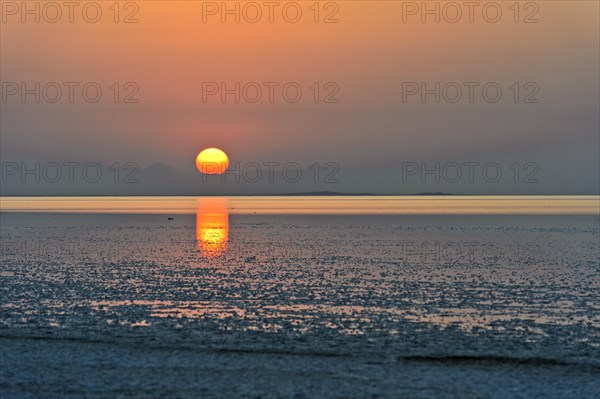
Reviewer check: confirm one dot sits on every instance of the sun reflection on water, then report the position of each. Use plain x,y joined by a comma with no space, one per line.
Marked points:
212,226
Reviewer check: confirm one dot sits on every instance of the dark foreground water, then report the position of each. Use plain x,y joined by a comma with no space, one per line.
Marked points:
212,305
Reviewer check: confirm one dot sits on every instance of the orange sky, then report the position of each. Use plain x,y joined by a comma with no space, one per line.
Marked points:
170,52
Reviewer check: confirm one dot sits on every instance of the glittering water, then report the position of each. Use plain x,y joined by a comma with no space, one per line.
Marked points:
224,304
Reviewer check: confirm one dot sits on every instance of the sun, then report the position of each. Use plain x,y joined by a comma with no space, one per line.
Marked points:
212,161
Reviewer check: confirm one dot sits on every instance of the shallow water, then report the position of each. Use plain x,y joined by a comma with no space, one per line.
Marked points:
271,305
313,205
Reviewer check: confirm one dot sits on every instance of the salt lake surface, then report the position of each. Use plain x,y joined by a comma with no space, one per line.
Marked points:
268,297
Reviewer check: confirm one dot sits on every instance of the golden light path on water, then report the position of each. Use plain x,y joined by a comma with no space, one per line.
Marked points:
328,205
212,226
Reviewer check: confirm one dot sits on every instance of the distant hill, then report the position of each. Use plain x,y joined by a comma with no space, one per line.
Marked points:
335,193
159,179
326,193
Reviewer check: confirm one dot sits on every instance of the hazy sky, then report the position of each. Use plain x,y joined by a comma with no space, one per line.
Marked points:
368,62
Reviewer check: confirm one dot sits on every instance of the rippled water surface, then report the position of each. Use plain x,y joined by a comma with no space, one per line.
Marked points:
268,305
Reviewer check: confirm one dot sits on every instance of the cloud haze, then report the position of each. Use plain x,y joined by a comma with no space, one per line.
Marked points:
366,120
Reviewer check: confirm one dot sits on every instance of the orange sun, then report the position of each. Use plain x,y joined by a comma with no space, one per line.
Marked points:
212,161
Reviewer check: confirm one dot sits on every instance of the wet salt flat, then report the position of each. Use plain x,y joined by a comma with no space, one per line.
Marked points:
219,304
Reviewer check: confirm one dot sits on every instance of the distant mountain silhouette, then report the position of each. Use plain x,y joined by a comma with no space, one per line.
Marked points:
326,193
159,179
334,193
160,169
